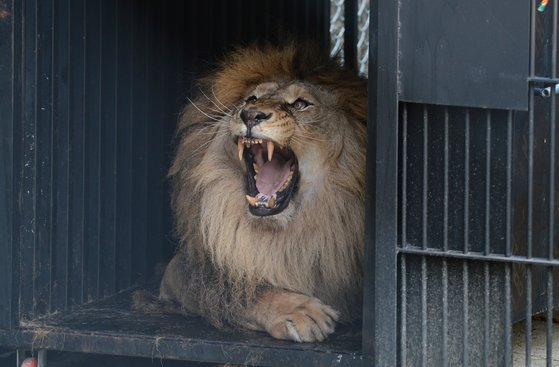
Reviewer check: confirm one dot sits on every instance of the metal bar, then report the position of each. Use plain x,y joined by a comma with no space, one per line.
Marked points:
42,358
20,357
445,239
508,317
487,247
471,255
445,312
446,183
403,311
465,313
528,324
92,117
100,155
508,247
424,312
404,159
26,202
76,159
424,204
552,204
542,79
487,305
350,33
8,157
115,136
466,180
403,259
508,239
380,282
549,317
465,280
43,157
528,279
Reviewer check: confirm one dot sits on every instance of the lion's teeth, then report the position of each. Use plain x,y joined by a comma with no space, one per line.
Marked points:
255,166
270,150
240,148
252,200
271,202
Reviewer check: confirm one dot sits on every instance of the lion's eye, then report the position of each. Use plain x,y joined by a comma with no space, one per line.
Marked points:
251,99
300,104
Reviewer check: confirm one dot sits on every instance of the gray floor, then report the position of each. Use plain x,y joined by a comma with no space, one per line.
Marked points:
539,343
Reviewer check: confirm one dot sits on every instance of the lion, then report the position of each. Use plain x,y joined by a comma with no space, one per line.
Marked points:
268,195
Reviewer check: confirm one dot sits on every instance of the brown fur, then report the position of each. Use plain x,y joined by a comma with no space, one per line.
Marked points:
237,269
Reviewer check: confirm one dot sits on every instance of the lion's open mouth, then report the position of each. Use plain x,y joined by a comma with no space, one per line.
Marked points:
272,174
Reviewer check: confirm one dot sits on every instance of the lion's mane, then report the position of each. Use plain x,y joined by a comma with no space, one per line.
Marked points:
227,258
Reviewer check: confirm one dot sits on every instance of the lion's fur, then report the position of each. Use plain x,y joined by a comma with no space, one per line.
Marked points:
315,247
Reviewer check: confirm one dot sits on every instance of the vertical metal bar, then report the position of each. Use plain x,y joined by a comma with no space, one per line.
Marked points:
487,248
424,236
445,239
508,247
486,307
552,204
465,279
116,173
528,314
423,311
76,158
403,311
7,158
20,357
42,358
508,318
425,191
404,159
549,317
403,258
465,316
528,324
28,194
487,237
466,181
380,281
350,34
43,157
508,240
446,183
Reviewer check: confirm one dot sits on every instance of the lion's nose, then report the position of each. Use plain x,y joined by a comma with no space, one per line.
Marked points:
252,117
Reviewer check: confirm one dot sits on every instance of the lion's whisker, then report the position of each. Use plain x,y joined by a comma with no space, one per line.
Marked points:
215,104
202,112
217,99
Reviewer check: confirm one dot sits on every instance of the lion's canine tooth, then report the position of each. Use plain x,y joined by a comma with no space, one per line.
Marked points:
270,150
251,200
271,202
240,148
255,166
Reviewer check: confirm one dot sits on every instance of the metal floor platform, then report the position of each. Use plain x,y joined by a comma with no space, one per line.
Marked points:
111,327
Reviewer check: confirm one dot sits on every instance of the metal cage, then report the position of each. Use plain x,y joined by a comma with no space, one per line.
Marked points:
461,203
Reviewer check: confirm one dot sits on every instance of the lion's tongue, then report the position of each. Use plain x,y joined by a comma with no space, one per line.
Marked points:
272,175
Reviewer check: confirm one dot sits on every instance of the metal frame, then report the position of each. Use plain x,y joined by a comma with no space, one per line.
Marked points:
380,279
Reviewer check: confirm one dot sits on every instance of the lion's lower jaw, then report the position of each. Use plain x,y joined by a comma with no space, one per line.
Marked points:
275,222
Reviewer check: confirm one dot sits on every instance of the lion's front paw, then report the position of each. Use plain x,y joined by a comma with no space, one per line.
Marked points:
309,321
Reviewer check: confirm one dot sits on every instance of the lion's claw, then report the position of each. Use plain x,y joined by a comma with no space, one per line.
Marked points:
311,321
